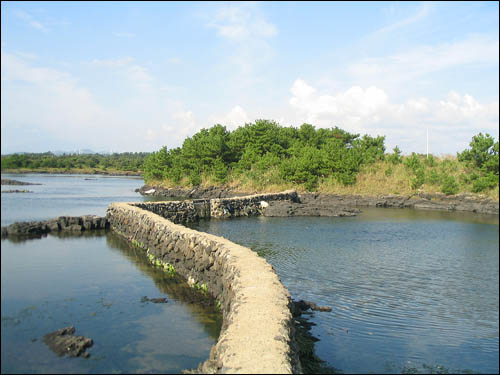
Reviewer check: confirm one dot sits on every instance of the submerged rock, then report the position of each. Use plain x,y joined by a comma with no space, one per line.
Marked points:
16,191
154,300
8,181
63,342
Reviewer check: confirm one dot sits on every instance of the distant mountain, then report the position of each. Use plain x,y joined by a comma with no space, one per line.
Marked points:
81,151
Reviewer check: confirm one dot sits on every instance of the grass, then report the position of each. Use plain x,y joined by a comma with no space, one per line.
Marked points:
378,179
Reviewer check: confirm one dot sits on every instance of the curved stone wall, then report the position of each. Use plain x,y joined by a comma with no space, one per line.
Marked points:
257,332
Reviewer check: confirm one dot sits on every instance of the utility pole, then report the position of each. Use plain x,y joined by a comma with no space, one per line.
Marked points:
427,143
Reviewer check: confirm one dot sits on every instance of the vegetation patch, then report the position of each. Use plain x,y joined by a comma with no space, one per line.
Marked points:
264,157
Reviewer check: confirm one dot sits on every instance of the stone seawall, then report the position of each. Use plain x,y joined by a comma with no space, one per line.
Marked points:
251,205
179,211
192,210
257,332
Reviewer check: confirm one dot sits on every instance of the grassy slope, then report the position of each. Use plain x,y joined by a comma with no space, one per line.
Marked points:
381,178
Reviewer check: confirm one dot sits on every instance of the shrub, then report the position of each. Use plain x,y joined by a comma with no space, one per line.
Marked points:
433,177
413,162
419,178
485,183
395,157
449,186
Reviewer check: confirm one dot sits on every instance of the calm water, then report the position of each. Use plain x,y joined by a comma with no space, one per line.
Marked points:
69,195
411,291
94,281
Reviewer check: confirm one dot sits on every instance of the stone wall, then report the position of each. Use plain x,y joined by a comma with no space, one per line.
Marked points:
251,205
179,211
257,331
192,210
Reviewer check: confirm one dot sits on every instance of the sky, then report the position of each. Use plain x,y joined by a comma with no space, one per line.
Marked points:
137,76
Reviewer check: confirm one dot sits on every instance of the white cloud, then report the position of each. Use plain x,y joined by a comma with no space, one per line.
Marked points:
135,73
241,22
30,20
420,14
234,118
248,32
414,63
45,96
369,111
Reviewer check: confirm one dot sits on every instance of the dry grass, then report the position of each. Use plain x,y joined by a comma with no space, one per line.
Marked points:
379,179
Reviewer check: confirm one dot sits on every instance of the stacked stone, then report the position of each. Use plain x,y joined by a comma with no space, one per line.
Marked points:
179,211
60,224
252,205
257,331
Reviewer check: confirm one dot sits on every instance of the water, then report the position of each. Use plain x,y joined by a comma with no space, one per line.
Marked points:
94,281
65,195
410,291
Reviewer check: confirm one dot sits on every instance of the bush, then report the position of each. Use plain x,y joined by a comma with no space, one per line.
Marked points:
449,186
483,183
419,178
433,177
395,157
413,162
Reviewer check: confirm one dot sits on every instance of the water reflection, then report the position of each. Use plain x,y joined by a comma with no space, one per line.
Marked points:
95,281
202,306
410,290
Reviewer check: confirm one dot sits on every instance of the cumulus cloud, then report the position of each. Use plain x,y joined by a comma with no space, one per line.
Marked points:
234,118
453,120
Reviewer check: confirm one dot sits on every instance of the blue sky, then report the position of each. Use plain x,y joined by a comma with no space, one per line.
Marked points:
136,76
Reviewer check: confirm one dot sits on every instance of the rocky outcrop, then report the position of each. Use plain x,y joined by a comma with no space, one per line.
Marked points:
8,181
437,201
320,204
290,208
258,327
60,224
63,342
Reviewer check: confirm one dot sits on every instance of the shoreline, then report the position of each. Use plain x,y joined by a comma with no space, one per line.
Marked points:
323,204
72,171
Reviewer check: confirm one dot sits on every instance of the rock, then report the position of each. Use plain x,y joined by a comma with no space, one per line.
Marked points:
63,342
7,181
16,191
158,300
301,306
154,300
62,223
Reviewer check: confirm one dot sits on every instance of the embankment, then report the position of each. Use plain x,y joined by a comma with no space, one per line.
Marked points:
321,204
257,335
